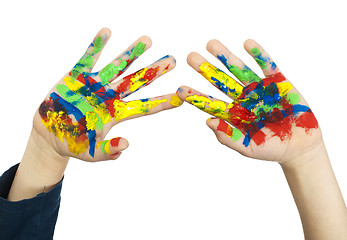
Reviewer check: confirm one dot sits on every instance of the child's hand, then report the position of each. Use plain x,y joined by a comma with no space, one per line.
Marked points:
83,106
270,119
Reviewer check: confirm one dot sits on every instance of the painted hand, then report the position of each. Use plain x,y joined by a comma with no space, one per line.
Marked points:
82,107
270,119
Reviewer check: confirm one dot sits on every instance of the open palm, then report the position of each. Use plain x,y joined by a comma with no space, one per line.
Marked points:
270,119
82,107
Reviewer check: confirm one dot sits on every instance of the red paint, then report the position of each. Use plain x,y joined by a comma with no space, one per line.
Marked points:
224,127
259,137
282,129
115,142
240,116
278,77
150,74
115,154
307,120
124,85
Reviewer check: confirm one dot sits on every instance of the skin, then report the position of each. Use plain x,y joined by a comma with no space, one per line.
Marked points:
290,134
80,110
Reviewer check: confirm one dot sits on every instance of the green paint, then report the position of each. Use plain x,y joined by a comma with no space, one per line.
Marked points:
261,63
138,50
103,147
78,102
84,63
237,134
245,74
110,70
294,98
98,45
256,53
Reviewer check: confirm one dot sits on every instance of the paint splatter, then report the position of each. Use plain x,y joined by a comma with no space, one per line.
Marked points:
81,106
264,104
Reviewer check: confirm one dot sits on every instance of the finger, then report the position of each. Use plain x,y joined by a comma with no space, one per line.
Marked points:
261,57
123,61
237,67
110,149
206,103
143,77
228,136
215,76
143,107
88,60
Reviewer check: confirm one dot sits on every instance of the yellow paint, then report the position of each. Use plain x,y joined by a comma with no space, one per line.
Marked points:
107,147
284,88
138,80
54,123
209,71
91,119
176,101
215,108
128,109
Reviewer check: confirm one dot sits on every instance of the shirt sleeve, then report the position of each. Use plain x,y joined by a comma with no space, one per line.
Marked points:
27,219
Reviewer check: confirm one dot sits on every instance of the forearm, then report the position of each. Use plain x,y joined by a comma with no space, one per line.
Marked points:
317,196
40,169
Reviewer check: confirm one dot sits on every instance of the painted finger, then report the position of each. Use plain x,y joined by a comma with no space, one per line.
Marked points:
90,57
137,108
217,77
228,136
110,149
263,59
236,66
124,60
206,103
143,77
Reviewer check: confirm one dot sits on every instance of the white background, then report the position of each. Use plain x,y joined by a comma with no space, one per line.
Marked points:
175,181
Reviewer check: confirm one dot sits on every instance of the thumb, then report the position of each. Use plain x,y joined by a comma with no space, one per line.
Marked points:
227,135
110,149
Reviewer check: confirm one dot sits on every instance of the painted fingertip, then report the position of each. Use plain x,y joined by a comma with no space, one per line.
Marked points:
211,123
176,101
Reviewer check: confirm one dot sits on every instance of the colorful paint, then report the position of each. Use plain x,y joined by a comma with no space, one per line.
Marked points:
264,104
243,74
82,105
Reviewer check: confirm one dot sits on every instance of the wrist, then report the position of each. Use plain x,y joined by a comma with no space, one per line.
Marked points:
312,158
40,170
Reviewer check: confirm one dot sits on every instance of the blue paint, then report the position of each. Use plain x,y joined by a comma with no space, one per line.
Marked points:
71,109
92,141
247,139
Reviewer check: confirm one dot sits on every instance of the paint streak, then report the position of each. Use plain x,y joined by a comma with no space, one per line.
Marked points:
243,75
265,104
234,133
263,61
132,108
81,105
221,80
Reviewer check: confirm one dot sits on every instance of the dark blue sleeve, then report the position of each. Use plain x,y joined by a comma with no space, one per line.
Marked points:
27,219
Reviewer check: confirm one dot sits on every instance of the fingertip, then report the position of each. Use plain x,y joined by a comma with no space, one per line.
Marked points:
120,143
146,40
212,45
195,60
176,101
182,92
172,61
212,123
249,44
